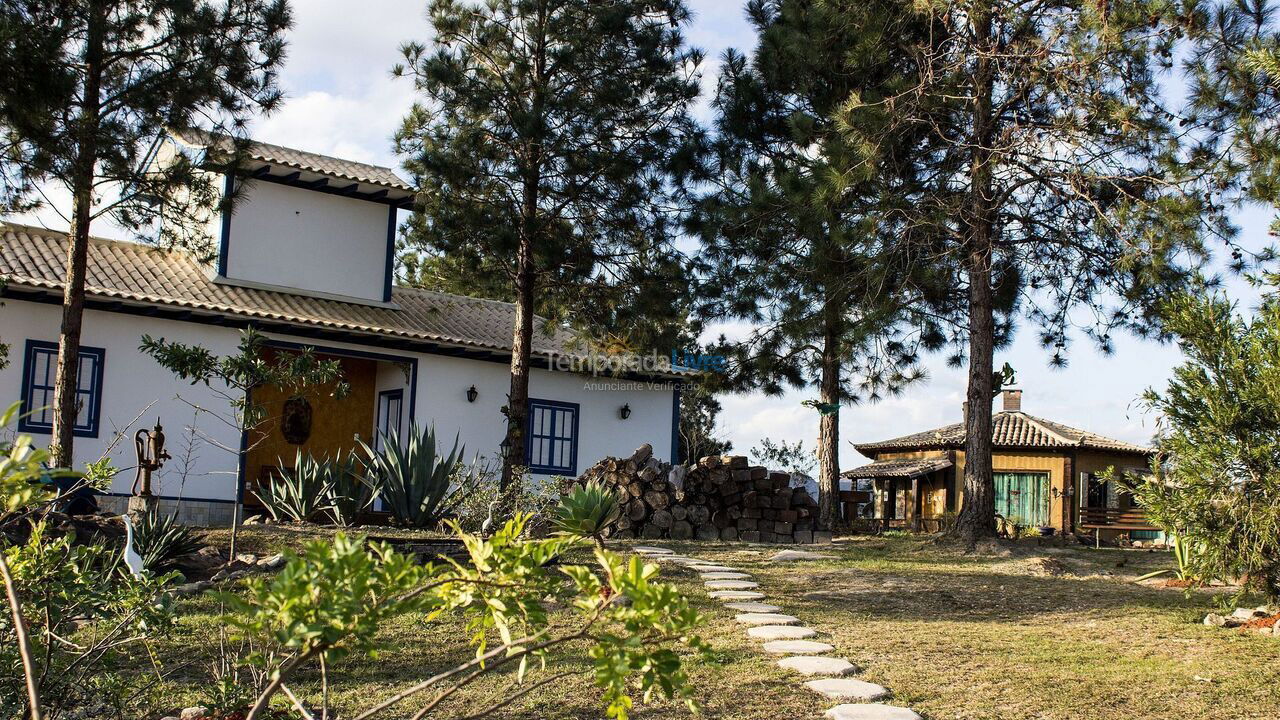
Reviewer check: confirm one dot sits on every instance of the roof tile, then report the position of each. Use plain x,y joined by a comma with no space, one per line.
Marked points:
1010,430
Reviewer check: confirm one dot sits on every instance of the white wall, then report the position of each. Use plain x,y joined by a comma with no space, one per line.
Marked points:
297,238
131,380
202,469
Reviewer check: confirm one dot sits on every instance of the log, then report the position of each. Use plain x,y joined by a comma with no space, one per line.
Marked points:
679,512
662,519
657,500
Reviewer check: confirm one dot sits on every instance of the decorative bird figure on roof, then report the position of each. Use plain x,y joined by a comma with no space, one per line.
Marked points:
131,557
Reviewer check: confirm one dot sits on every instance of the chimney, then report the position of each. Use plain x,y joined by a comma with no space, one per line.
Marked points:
1013,401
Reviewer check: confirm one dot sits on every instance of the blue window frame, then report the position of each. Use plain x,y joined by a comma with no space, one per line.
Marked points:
390,410
40,367
551,443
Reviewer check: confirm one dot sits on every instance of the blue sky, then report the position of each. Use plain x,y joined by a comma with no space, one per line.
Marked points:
343,102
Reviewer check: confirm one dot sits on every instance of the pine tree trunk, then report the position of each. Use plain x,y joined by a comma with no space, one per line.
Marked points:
82,175
521,338
977,515
829,425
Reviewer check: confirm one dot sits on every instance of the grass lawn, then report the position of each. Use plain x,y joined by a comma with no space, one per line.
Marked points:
1044,633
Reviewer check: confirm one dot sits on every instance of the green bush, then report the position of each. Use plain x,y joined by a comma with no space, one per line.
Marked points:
349,492
299,493
416,485
488,500
587,511
161,540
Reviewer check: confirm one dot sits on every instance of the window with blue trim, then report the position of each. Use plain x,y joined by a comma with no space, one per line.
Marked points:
39,370
551,442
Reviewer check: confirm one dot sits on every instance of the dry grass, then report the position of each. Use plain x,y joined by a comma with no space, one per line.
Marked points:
1046,633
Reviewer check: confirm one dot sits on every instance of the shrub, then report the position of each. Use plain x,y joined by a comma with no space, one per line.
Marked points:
160,540
350,493
488,500
299,493
587,511
1216,482
417,486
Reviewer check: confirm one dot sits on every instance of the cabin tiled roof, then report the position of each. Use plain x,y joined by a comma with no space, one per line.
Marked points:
138,275
898,468
306,161
1013,430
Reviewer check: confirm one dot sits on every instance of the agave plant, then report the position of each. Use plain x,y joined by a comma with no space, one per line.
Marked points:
1185,554
349,492
160,541
587,511
416,485
299,493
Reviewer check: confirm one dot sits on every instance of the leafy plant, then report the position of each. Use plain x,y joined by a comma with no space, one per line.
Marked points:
1186,553
299,493
587,511
161,540
488,502
418,486
349,493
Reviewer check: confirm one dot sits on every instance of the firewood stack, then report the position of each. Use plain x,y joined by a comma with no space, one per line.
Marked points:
719,498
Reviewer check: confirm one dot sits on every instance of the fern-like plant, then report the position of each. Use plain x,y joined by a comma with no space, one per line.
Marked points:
161,541
299,493
349,492
587,511
417,486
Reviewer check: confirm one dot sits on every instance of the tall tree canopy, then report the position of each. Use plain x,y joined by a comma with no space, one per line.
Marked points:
1061,190
87,91
800,228
543,147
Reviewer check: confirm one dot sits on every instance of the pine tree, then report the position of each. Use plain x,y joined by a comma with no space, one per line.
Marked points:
1062,194
89,90
799,235
543,147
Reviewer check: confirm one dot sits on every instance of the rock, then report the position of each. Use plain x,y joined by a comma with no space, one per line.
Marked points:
646,550
847,689
870,711
715,568
766,619
1215,620
275,562
818,665
731,585
780,632
797,647
737,595
1247,613
246,558
752,607
794,555
193,713
725,576
192,588
229,574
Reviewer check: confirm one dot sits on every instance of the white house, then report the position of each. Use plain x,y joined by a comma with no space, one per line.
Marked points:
306,258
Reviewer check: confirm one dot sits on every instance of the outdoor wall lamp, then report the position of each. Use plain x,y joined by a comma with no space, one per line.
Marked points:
472,394
625,412
1069,492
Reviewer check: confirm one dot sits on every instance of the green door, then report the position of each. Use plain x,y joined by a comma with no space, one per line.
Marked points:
1023,498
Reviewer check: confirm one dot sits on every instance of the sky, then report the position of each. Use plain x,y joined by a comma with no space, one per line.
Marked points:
342,101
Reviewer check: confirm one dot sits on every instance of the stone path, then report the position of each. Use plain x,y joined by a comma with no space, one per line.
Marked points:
784,635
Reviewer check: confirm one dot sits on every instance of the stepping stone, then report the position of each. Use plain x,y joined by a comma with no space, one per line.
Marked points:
643,549
793,555
766,619
817,665
847,689
752,607
797,647
725,576
731,585
871,711
730,595
781,632
714,568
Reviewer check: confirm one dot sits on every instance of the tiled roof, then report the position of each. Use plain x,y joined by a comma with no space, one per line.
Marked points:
1010,430
306,161
131,272
898,468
